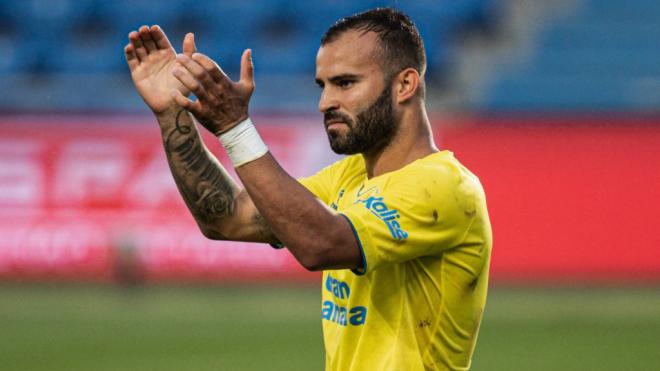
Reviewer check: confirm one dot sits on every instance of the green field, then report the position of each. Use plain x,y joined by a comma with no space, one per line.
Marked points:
80,327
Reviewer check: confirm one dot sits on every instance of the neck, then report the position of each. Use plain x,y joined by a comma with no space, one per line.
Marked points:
413,140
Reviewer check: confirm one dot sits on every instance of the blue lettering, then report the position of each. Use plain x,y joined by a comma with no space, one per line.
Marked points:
344,290
328,307
390,214
341,316
338,314
378,207
335,313
338,288
335,288
369,201
358,316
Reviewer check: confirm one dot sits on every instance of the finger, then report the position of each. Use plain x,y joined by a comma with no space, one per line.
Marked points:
184,102
211,67
159,37
131,57
190,82
196,70
148,42
136,41
247,68
189,46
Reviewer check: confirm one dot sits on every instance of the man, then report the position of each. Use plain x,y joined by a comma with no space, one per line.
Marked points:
399,228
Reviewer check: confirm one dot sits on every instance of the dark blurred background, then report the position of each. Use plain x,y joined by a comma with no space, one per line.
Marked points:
483,54
555,105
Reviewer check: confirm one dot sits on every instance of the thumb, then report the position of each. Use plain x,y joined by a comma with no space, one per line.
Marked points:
247,68
189,46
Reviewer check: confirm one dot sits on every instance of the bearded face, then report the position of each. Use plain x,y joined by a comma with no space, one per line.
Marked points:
371,131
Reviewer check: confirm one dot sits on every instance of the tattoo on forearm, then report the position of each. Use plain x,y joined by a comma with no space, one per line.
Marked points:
205,187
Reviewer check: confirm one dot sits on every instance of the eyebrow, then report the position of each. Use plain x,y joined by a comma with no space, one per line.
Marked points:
338,78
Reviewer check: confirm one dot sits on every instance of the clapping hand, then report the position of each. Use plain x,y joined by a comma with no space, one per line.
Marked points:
151,59
221,103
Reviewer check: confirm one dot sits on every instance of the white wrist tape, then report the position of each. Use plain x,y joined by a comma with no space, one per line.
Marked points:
243,143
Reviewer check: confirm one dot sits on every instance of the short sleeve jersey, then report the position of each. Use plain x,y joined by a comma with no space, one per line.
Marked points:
425,238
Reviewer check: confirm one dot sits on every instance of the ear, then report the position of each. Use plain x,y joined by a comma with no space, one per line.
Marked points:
407,85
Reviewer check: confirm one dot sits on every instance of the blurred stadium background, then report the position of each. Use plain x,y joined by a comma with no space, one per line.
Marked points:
554,104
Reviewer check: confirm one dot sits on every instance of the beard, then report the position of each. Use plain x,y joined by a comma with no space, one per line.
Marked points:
371,131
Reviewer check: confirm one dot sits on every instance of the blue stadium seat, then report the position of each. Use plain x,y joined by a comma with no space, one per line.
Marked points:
604,56
588,62
59,38
46,19
535,92
102,55
128,15
10,58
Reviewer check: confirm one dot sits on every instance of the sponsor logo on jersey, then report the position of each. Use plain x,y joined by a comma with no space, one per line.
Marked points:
335,311
389,216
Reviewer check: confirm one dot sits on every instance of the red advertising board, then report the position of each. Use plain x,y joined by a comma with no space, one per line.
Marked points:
82,196
570,198
92,198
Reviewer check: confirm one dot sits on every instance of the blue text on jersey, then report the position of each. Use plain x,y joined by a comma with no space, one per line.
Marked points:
337,312
377,207
338,288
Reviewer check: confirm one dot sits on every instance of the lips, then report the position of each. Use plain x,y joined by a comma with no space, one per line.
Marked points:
334,119
334,124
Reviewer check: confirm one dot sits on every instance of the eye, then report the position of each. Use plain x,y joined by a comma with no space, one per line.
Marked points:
345,84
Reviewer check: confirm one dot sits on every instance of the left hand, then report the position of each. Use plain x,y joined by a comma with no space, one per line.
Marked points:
151,59
221,103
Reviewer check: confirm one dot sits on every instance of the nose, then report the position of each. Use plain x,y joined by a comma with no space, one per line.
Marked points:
327,102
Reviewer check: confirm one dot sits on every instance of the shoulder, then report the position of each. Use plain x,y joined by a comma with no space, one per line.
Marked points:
439,171
324,183
438,179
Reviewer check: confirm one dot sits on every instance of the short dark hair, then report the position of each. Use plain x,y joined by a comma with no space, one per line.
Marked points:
400,43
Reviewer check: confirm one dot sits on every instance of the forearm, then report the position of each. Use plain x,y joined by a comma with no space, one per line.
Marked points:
212,196
317,236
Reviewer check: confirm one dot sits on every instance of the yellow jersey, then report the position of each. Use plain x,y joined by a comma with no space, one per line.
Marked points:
425,239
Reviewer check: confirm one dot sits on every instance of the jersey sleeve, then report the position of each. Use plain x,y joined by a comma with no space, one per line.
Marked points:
423,214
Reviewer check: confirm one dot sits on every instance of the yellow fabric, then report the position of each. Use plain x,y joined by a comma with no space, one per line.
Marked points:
426,240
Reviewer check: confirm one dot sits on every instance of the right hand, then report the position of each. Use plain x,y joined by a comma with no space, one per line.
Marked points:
151,59
221,103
